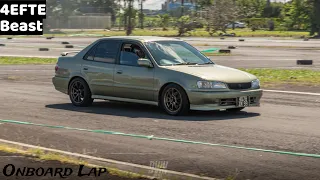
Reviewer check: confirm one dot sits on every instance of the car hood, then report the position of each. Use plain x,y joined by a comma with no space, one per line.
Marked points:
214,73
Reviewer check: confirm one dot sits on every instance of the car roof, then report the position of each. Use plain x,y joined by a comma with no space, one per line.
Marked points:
142,38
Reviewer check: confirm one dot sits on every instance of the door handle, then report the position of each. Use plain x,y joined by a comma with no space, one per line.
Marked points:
119,72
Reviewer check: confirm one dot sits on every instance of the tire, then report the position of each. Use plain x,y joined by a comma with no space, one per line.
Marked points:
174,100
235,109
79,93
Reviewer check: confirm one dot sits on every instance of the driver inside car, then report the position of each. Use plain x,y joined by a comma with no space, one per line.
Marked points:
138,52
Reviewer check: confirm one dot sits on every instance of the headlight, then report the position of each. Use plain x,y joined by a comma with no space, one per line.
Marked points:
211,85
255,84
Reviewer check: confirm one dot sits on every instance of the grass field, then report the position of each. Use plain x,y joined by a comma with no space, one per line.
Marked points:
266,76
26,60
286,76
173,33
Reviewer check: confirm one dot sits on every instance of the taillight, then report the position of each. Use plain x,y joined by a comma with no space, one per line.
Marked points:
56,68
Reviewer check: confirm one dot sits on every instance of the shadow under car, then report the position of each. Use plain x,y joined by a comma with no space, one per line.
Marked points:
134,110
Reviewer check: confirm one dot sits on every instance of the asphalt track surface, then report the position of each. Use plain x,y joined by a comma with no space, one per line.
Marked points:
252,53
283,122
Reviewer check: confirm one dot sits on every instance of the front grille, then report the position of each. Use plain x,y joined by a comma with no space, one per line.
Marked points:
228,102
239,86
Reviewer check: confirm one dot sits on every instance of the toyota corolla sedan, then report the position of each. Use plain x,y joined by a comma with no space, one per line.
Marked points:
169,73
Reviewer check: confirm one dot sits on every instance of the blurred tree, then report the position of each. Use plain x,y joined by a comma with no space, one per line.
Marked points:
272,9
250,8
204,3
220,14
246,8
141,15
125,14
184,25
315,17
267,11
61,9
302,15
130,14
297,14
182,8
164,21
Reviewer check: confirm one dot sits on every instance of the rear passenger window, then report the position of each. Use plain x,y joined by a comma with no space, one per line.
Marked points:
106,52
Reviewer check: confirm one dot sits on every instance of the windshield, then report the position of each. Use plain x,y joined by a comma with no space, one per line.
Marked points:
176,53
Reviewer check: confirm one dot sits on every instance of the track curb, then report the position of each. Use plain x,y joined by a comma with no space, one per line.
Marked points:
149,172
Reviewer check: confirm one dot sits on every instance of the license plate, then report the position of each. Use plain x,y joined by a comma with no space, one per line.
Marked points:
243,101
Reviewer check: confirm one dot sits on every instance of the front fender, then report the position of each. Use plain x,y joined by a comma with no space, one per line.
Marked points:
164,77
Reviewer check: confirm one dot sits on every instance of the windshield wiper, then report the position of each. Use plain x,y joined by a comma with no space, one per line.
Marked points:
186,63
206,63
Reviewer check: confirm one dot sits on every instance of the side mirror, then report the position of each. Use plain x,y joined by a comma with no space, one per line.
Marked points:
145,63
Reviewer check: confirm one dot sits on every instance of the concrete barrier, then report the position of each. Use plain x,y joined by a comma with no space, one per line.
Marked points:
304,62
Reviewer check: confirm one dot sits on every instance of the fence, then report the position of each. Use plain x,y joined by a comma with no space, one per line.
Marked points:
80,22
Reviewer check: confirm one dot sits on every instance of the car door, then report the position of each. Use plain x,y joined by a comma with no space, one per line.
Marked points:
131,80
99,65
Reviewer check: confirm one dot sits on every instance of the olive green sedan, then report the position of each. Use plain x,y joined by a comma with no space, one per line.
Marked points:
165,72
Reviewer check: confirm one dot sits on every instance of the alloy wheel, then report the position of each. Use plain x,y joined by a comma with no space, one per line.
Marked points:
173,100
77,92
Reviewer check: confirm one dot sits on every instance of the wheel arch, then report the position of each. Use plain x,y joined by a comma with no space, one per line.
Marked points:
74,77
165,85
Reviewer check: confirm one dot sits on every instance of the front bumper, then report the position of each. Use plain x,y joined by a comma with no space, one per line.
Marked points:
209,100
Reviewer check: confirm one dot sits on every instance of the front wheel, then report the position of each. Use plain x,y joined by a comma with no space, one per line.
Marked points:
79,93
174,100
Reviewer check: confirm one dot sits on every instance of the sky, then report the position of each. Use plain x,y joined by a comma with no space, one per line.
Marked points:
156,4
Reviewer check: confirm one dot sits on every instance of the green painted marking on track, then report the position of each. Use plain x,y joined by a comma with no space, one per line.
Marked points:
163,139
210,50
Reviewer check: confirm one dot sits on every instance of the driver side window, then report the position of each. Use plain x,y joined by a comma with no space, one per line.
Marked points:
130,53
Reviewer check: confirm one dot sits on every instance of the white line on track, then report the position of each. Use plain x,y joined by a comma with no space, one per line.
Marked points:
292,92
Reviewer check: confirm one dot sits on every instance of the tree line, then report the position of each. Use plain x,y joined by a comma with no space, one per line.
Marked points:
257,14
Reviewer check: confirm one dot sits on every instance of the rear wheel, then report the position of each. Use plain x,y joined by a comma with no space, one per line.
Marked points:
79,93
235,109
174,100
